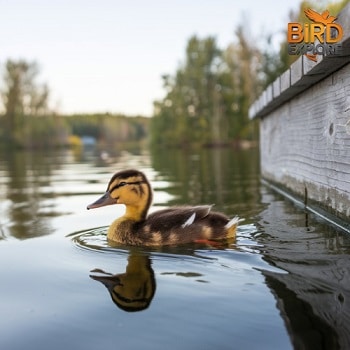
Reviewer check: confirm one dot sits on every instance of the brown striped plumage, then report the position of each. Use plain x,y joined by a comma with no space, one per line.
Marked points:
177,225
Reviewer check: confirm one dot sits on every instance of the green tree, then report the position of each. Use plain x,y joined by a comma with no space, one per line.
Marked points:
208,98
185,115
242,60
21,97
27,121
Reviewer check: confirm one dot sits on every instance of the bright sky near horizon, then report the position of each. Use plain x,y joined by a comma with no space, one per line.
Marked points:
109,55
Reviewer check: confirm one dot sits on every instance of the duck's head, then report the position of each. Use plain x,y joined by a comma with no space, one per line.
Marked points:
129,187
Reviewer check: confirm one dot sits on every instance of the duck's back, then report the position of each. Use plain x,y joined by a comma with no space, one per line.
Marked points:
181,225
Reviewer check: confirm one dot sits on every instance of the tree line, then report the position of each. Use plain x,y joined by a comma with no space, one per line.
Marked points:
28,122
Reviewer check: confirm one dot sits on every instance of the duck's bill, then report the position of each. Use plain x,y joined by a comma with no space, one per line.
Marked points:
108,281
106,199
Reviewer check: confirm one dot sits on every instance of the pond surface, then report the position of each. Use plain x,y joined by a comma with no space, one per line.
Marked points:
283,284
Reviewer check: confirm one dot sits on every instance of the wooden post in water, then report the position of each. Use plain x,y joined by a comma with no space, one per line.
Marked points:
305,131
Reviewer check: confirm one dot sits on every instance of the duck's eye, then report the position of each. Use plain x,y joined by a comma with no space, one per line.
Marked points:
121,184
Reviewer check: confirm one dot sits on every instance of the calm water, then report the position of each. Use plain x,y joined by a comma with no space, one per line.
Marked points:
283,284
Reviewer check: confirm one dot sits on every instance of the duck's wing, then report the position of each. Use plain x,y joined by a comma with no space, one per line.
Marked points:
178,216
186,224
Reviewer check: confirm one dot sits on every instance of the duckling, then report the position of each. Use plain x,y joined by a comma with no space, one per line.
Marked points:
173,226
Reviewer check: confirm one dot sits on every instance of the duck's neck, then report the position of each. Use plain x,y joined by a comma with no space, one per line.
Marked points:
136,213
123,229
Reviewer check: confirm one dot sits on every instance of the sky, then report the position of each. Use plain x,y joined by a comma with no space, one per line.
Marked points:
108,56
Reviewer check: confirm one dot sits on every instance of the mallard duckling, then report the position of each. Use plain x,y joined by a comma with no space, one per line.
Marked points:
177,225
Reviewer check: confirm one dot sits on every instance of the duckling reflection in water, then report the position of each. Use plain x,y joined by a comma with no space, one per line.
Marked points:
177,225
134,289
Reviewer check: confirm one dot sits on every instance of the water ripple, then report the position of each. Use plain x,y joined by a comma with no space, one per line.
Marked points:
94,239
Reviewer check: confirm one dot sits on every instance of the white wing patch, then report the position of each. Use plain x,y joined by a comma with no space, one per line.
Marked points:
233,222
189,221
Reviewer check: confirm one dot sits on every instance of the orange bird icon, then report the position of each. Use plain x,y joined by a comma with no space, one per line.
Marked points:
323,18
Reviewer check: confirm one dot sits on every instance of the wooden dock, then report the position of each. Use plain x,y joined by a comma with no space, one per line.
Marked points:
305,131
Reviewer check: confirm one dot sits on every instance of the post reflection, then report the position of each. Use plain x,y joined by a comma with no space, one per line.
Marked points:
313,295
134,289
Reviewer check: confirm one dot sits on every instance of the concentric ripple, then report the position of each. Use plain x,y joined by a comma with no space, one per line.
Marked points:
95,239
91,239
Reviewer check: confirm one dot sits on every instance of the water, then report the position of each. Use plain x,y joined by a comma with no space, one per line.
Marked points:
283,284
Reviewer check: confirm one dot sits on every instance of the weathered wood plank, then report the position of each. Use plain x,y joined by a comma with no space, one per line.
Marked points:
305,129
305,144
